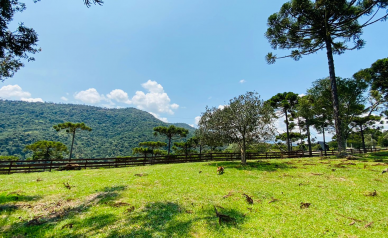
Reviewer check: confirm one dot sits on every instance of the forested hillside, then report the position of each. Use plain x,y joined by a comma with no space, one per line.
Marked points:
114,131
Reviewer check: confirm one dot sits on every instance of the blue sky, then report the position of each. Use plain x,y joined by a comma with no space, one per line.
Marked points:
170,57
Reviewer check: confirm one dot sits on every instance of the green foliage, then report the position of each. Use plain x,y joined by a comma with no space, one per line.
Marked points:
142,151
306,27
10,157
377,76
71,128
115,131
351,102
309,26
46,150
246,120
170,132
186,147
285,104
16,45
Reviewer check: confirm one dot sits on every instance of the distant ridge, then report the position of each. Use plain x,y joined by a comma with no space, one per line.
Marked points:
114,131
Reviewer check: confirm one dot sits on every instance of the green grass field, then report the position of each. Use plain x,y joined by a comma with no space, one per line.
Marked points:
178,200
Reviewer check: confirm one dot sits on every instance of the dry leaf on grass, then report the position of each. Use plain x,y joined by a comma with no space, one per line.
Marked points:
273,200
141,175
228,195
304,205
371,194
248,198
369,224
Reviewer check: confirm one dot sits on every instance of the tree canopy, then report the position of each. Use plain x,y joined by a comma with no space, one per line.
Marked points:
71,128
285,103
306,27
244,120
46,150
170,132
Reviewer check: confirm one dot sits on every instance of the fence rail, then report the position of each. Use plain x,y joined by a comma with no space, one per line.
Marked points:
28,166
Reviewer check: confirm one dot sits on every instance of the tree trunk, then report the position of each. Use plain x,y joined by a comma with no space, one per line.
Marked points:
334,96
363,139
72,143
324,140
243,152
288,133
308,138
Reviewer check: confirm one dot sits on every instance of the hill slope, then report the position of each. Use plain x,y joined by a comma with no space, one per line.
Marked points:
114,131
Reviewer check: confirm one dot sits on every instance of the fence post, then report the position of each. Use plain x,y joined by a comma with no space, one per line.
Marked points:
86,162
51,164
10,167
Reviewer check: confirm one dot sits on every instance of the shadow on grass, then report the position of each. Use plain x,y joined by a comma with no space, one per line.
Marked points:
17,198
35,225
158,219
373,157
257,165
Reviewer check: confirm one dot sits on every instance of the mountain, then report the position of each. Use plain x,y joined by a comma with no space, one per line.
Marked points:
114,131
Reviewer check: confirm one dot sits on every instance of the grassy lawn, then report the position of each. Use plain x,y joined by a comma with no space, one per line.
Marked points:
178,200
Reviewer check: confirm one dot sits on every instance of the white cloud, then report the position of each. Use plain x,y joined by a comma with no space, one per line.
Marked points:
242,81
196,120
163,119
13,91
301,95
89,96
221,107
119,95
155,101
32,99
64,98
192,125
16,92
174,106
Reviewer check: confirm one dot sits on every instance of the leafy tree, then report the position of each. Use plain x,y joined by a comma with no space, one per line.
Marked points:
8,157
377,77
71,128
351,97
309,26
285,103
170,132
142,151
185,147
154,147
245,120
291,137
383,139
363,123
46,150
305,110
19,44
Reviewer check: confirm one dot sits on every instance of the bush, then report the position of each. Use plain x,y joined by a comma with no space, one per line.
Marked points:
8,158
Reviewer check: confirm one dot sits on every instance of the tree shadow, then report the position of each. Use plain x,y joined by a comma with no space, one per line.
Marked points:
252,165
17,198
157,219
33,226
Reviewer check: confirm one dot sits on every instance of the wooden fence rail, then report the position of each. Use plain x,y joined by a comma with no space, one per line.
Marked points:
28,166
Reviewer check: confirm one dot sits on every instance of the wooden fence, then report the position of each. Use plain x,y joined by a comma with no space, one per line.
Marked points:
28,166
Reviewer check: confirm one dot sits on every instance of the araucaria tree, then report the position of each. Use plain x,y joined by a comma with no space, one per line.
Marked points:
46,150
363,123
170,132
285,104
71,128
244,120
309,26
